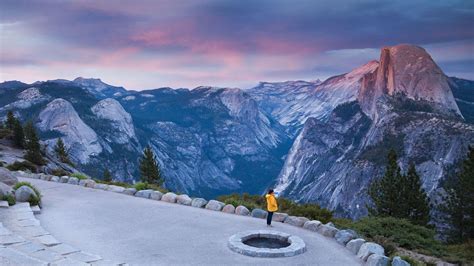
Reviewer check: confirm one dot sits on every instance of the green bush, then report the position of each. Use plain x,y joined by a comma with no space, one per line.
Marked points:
5,132
10,199
80,176
59,172
143,185
462,254
140,186
33,200
400,232
22,166
312,212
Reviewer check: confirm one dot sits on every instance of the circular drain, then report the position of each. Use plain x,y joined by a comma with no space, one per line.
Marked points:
263,243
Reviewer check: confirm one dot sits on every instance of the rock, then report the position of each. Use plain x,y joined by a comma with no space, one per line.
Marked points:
215,205
259,213
101,186
5,190
23,194
55,178
198,202
368,249
296,221
397,261
184,199
90,183
344,236
312,225
64,179
44,177
130,191
355,244
169,197
73,181
156,195
279,217
242,210
327,230
116,189
144,193
229,208
7,177
377,260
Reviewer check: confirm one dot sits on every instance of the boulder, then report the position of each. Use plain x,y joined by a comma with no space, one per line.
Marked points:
5,190
377,260
344,236
7,177
116,189
45,177
101,186
169,197
198,202
130,191
259,213
73,181
184,199
327,230
279,217
146,193
355,244
64,179
229,208
312,225
296,221
55,178
242,210
156,195
368,249
90,183
397,261
23,194
215,205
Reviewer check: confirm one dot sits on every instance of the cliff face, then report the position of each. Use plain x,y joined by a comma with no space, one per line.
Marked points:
406,104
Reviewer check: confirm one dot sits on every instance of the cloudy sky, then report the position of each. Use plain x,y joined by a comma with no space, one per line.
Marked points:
142,44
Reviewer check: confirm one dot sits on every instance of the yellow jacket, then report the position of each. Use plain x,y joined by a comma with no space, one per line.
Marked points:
272,205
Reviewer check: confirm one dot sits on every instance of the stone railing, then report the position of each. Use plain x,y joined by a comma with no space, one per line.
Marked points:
369,252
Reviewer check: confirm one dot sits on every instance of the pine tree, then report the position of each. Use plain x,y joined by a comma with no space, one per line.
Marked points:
417,203
149,170
107,175
32,145
385,192
18,134
61,152
11,120
459,202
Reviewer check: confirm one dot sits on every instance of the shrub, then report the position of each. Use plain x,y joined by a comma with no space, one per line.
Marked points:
32,200
80,176
462,254
143,185
5,132
23,166
10,199
140,186
312,212
59,172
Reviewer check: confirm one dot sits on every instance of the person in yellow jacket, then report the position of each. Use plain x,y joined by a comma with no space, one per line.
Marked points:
272,206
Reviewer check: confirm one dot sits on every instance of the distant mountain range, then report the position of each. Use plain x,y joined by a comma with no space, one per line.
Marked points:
315,141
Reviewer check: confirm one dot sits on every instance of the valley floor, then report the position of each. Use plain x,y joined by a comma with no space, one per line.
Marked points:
140,231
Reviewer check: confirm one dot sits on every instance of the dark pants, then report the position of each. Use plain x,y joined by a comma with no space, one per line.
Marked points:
269,218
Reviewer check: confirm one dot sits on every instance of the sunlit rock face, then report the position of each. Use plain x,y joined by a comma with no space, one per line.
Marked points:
60,116
405,104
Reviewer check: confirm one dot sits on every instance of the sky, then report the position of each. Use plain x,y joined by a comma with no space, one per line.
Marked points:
144,44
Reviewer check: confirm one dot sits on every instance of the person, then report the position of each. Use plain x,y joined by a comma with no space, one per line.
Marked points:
272,206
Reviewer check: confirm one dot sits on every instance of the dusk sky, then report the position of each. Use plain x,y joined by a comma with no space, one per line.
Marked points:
150,44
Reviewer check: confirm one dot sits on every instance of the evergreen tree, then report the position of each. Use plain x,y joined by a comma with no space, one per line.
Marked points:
32,145
459,202
11,120
417,202
149,170
107,175
18,134
61,152
385,192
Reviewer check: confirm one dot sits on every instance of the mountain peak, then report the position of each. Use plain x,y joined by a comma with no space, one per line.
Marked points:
410,71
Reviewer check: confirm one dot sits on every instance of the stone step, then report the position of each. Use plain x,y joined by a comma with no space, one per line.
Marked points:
9,256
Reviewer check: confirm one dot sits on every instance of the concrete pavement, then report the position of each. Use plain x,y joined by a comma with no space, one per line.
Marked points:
142,231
